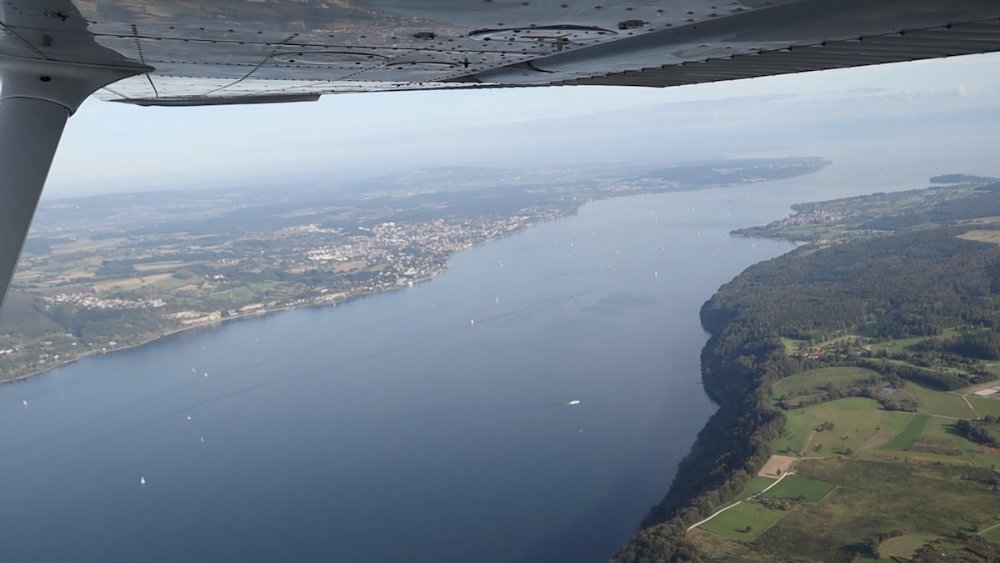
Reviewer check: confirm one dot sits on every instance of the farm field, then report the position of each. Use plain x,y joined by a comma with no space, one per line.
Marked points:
797,486
992,533
914,427
815,378
757,484
985,406
903,546
864,471
854,421
901,344
799,426
870,498
940,403
881,462
744,522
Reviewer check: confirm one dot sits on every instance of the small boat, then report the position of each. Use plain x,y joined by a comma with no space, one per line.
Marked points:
142,481
24,402
575,402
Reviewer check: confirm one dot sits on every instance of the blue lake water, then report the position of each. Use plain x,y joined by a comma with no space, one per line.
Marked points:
428,424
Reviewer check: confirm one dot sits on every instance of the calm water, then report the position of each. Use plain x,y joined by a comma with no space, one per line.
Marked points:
393,428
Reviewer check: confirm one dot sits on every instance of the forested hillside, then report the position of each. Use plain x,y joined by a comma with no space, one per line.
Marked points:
921,306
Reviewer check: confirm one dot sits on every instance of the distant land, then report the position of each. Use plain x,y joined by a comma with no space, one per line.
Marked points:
966,200
109,272
858,384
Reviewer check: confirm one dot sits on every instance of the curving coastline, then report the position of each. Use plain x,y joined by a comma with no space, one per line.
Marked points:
739,362
896,286
209,323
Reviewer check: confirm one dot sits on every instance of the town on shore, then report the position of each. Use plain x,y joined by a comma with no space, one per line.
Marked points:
115,271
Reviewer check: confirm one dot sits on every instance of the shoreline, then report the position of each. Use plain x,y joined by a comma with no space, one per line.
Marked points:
734,443
260,313
570,212
265,311
745,355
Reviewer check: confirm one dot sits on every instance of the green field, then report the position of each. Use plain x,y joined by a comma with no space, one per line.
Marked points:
930,439
902,344
939,402
991,533
733,522
898,345
169,284
757,484
880,487
912,431
895,422
860,424
798,428
815,378
903,546
940,431
985,406
797,486
872,498
861,428
855,420
792,346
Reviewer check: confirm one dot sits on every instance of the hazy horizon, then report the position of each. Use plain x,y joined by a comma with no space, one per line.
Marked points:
922,116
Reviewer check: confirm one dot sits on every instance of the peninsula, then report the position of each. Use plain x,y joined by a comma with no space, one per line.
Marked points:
858,384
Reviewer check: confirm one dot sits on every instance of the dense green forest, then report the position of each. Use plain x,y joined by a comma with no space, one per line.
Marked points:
921,283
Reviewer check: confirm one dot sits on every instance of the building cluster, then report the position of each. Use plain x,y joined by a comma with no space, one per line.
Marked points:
397,242
90,301
396,254
813,217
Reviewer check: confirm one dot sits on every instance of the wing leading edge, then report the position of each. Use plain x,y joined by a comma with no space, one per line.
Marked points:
230,51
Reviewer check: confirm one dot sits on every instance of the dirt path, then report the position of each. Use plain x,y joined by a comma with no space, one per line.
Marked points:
739,502
965,397
981,532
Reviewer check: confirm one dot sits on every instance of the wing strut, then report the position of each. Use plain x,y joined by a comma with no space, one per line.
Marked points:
36,99
29,134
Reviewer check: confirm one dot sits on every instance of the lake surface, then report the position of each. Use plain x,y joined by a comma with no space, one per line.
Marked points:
428,424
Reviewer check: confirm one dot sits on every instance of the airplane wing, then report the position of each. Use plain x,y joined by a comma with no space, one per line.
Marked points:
55,53
237,51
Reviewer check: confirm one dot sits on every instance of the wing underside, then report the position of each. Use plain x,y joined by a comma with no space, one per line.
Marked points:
290,50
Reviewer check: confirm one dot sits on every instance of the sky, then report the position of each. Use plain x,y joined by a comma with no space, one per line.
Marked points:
912,119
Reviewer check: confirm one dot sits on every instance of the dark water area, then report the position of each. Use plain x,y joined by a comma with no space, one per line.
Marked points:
428,424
